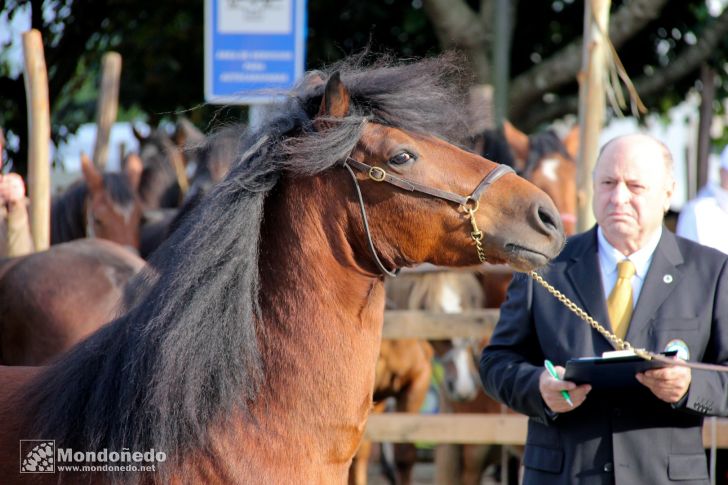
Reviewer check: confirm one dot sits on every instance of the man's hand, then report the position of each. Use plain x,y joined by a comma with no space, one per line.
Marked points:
12,189
551,388
669,383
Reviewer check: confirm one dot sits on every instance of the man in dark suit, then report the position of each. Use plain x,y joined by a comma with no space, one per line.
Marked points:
677,299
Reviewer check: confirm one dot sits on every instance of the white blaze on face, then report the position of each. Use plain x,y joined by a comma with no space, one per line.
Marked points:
464,385
450,301
549,168
461,384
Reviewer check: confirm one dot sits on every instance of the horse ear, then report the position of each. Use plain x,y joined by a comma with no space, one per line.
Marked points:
133,169
517,140
94,178
335,102
571,142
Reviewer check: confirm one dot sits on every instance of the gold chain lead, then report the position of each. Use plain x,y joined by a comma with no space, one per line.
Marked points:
616,341
476,234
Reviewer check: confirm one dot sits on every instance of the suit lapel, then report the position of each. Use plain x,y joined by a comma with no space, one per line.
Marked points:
584,275
661,279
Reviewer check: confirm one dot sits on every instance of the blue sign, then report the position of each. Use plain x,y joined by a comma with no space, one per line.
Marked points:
254,49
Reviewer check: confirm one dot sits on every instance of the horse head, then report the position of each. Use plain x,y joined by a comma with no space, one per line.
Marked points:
112,209
427,200
164,179
542,158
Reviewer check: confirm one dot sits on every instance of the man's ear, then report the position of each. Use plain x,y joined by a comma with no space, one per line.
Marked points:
334,103
670,190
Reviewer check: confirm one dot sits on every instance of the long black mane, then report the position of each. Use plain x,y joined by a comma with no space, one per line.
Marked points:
68,213
186,351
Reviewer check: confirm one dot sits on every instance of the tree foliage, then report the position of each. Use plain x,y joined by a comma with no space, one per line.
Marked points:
661,43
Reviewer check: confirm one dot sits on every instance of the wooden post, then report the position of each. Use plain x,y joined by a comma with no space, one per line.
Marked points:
107,106
591,103
700,177
39,134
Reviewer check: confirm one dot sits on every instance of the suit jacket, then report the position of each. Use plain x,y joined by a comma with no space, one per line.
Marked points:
624,436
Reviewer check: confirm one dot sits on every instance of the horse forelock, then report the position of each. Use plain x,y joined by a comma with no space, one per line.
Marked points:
120,190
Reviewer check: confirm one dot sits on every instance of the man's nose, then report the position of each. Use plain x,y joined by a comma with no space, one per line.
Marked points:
620,193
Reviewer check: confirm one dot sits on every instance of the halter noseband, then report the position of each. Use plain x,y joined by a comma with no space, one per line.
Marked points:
469,203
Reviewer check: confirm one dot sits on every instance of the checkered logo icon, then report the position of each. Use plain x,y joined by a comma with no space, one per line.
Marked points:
37,456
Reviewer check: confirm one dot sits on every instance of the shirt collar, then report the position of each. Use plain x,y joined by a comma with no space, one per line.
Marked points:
609,256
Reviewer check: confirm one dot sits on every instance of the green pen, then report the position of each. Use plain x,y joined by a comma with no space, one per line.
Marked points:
550,367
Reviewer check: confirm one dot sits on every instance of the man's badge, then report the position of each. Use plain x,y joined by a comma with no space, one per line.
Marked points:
679,346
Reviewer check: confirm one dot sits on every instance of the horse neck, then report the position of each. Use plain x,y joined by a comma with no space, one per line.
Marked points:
322,318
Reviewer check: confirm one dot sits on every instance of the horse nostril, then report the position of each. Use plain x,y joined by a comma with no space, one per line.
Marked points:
548,218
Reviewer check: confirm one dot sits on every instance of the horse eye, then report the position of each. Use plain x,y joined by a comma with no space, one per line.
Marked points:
401,158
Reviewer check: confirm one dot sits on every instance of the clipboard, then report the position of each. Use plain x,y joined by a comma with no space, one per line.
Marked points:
610,372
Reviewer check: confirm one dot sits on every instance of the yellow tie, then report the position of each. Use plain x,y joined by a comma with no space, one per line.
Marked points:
619,303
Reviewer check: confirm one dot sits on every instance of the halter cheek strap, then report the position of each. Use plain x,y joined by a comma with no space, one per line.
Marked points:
469,203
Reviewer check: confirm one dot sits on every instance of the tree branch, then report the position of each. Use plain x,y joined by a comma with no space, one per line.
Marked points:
458,26
682,65
563,66
688,60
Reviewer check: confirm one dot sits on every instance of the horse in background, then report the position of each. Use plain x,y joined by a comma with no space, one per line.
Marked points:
460,389
545,160
542,158
209,158
102,205
228,357
167,161
51,300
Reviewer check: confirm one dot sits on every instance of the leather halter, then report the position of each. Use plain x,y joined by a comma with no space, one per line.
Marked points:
378,174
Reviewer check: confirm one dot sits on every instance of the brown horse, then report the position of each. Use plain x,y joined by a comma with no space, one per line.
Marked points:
543,158
51,300
212,157
166,159
102,205
249,355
